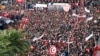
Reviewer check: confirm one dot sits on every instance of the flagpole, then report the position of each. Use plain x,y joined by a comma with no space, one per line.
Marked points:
68,47
25,4
69,43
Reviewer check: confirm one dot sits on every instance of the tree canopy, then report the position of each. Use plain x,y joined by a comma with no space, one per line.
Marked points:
12,43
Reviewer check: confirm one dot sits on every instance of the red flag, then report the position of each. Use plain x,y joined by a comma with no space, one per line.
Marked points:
59,44
24,20
19,1
32,47
45,42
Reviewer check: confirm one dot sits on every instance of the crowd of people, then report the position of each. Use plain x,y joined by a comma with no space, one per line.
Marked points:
58,28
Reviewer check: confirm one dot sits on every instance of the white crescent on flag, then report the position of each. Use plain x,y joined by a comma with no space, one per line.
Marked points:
87,10
66,7
52,50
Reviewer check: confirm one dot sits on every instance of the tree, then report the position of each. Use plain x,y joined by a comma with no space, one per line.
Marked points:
12,43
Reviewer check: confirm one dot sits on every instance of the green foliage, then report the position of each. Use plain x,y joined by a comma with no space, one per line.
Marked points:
12,43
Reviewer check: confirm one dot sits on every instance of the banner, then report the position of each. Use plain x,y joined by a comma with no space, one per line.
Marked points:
37,38
4,2
89,19
66,6
87,38
61,4
41,5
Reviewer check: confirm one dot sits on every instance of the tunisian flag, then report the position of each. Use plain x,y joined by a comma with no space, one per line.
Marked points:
52,50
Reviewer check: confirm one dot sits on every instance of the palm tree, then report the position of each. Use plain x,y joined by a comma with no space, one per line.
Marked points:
12,43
